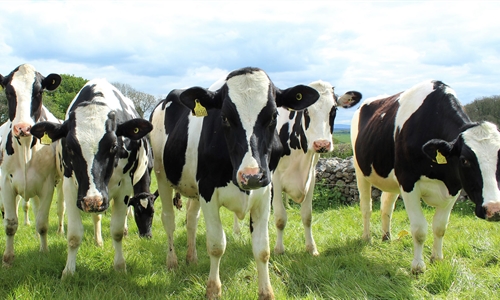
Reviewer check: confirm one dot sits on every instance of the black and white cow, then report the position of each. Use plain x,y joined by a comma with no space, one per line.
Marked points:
104,152
422,145
28,168
304,135
224,159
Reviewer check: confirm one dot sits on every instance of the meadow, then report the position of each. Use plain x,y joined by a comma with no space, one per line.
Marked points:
347,268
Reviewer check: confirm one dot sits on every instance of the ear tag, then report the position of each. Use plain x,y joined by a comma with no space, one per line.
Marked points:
298,96
136,130
46,140
440,159
199,110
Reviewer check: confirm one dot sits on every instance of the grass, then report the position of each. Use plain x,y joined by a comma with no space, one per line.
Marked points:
347,267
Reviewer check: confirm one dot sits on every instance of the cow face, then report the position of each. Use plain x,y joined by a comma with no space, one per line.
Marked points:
476,153
144,210
24,87
94,143
248,104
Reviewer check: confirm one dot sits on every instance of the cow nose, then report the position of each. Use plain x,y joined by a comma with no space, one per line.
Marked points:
321,146
92,204
250,178
493,211
22,129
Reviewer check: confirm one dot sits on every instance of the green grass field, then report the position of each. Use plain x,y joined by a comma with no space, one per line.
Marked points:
347,267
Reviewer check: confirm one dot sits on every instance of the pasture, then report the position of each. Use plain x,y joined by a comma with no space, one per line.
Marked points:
347,268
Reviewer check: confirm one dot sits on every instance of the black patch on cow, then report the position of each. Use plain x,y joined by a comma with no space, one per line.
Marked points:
8,145
297,138
331,119
284,137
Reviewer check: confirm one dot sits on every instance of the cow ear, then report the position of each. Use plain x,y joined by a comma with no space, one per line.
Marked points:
1,81
199,100
48,132
296,98
438,150
51,82
349,99
134,129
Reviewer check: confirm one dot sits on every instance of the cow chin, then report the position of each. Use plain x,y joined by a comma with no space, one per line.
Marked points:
92,204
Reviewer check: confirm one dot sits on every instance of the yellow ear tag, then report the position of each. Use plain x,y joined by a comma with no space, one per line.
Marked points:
440,159
298,96
46,140
199,110
136,130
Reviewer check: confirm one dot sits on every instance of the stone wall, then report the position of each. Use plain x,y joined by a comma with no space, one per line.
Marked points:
337,173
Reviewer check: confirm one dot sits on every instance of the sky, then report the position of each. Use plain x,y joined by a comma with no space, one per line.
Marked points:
374,47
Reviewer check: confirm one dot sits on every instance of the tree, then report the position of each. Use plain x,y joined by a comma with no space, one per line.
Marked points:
57,101
144,103
484,109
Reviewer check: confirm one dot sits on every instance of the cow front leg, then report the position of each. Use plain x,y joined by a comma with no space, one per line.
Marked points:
10,222
280,218
26,208
418,225
306,215
96,219
365,203
259,217
387,202
117,228
168,218
216,246
74,237
61,208
192,216
439,225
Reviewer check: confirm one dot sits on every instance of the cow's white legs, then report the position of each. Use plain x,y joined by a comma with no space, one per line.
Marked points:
168,218
96,219
192,216
387,202
216,245
10,222
75,227
259,215
365,203
61,208
306,214
418,225
236,225
280,218
439,224
117,228
26,208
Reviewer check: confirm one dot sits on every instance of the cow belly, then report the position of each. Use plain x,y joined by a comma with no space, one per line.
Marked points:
434,192
295,174
386,184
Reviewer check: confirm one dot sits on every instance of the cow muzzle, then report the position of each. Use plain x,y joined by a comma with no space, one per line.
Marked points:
322,146
492,211
251,179
92,204
21,130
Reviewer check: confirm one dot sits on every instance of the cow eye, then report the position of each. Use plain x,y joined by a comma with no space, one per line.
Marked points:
464,162
114,149
273,119
225,121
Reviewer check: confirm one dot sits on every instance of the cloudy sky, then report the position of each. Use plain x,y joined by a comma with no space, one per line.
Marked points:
377,47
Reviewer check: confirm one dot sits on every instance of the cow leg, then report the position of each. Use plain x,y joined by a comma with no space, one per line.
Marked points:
418,225
96,219
365,203
168,218
117,228
10,222
280,217
236,225
259,216
306,214
60,208
439,224
26,207
75,227
192,216
130,213
387,202
216,245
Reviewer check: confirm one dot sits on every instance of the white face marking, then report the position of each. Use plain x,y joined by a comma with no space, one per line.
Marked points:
249,93
319,112
144,203
484,140
22,81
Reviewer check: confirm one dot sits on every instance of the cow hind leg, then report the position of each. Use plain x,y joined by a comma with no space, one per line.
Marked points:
387,202
192,216
365,204
96,219
42,218
26,207
280,219
117,228
439,224
168,218
61,208
306,214
418,225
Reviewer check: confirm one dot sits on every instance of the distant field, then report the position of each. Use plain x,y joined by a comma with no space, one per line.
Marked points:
342,137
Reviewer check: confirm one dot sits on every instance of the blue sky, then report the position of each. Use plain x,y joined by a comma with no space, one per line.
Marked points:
374,47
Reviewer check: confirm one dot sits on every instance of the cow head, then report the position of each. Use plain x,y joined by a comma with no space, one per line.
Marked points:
317,120
24,88
247,104
144,210
93,144
476,152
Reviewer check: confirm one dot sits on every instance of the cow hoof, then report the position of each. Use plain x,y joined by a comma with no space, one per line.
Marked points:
312,250
279,250
386,237
8,260
418,268
213,290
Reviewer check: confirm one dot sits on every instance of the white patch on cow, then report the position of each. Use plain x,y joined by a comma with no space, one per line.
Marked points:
89,131
410,101
249,93
22,81
144,203
382,115
484,140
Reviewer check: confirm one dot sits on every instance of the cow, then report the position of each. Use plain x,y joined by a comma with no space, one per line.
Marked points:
223,159
28,168
104,153
304,136
420,144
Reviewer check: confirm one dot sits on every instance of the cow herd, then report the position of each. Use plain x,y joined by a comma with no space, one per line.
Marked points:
241,144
